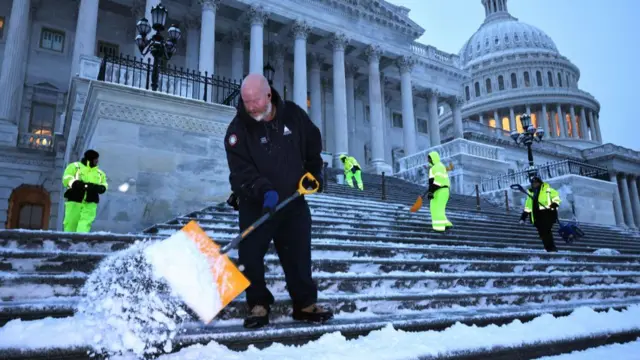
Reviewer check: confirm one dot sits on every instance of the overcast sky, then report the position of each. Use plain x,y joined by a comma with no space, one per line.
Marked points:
597,36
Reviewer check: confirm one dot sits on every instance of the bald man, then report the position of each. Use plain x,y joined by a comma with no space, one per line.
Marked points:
270,145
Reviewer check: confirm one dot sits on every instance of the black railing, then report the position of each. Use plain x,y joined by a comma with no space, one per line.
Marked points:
546,171
176,81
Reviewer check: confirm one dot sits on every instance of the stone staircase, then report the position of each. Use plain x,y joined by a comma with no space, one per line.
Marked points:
374,262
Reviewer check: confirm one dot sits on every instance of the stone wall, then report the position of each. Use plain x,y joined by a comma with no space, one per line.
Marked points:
170,146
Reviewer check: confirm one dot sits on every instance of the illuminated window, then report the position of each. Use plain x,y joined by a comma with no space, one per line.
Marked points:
506,124
1,26
567,119
52,40
41,122
308,100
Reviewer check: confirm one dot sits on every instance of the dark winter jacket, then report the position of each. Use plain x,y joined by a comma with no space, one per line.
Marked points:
272,155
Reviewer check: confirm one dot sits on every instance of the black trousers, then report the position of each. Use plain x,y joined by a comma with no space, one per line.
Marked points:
544,221
290,229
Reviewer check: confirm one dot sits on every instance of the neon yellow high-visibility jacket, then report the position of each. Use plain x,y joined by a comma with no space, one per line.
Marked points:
438,177
349,163
89,175
546,197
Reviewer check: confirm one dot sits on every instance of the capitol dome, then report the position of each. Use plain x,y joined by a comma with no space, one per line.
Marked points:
502,34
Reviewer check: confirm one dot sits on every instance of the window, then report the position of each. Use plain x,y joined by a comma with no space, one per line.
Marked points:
396,120
514,81
487,84
500,83
108,49
1,26
30,216
568,82
538,78
52,40
550,78
42,119
527,81
467,94
422,125
367,114
477,89
29,208
559,80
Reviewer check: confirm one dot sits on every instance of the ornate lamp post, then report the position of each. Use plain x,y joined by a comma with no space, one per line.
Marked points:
160,48
527,138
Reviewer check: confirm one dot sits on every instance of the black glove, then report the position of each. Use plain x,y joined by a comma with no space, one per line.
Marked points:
311,184
430,196
100,189
523,216
234,202
554,206
77,185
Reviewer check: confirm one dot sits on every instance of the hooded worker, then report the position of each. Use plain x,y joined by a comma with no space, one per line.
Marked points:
541,205
438,193
352,169
84,183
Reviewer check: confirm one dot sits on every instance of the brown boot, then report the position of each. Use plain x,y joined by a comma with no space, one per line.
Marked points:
258,317
312,313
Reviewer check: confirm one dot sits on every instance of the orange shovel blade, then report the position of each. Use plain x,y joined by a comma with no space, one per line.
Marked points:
417,205
229,279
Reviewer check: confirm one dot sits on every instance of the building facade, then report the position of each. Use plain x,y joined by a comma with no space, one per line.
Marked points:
69,75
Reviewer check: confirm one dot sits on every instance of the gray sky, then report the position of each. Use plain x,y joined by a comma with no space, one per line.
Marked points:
596,35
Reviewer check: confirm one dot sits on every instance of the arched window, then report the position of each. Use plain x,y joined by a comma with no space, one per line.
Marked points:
500,82
488,85
467,94
477,89
527,81
514,81
559,80
550,78
538,78
29,208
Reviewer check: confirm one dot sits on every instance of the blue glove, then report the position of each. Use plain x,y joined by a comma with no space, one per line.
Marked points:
270,202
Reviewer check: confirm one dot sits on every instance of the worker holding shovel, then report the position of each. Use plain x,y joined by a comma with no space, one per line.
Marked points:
437,193
270,145
541,207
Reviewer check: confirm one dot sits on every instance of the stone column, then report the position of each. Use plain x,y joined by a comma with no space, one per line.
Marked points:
596,120
300,31
12,75
617,203
405,65
207,61
583,125
545,121
236,40
86,28
497,120
626,202
592,129
279,52
375,111
350,72
434,124
480,119
315,64
193,43
257,16
562,121
574,123
456,108
512,119
528,110
340,127
635,199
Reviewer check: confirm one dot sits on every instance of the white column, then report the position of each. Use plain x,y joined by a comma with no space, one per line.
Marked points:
584,129
375,111
592,128
257,16
405,65
434,124
350,72
456,108
574,123
496,118
236,40
635,199
596,120
340,126
300,31
617,203
315,63
86,28
626,202
193,42
545,121
562,121
279,52
512,119
208,36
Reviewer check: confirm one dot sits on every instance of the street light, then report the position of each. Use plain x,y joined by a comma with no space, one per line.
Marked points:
527,137
160,48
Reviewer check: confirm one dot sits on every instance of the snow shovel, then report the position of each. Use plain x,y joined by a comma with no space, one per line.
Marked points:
418,204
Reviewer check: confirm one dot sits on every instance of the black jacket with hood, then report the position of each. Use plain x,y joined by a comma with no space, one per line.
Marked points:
272,155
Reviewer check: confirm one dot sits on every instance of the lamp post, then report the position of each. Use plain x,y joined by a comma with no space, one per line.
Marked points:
160,48
527,138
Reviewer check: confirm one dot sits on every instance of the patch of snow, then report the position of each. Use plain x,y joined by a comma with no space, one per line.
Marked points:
606,252
627,351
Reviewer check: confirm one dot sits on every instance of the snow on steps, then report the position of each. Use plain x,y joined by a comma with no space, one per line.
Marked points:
402,269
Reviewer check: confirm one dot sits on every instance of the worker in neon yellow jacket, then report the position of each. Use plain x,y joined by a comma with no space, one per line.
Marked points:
541,207
352,169
84,183
438,193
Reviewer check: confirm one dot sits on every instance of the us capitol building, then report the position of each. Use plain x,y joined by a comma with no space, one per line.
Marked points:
73,78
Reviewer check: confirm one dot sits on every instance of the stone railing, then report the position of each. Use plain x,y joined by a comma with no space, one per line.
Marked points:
36,141
528,91
547,171
609,150
432,53
475,126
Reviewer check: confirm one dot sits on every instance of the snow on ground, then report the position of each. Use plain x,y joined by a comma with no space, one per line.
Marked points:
628,351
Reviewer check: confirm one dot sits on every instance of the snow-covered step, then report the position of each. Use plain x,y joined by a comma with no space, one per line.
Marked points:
16,287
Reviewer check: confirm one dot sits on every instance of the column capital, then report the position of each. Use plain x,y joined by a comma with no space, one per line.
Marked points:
373,53
405,64
455,101
351,69
338,41
209,4
432,93
300,29
257,15
316,61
